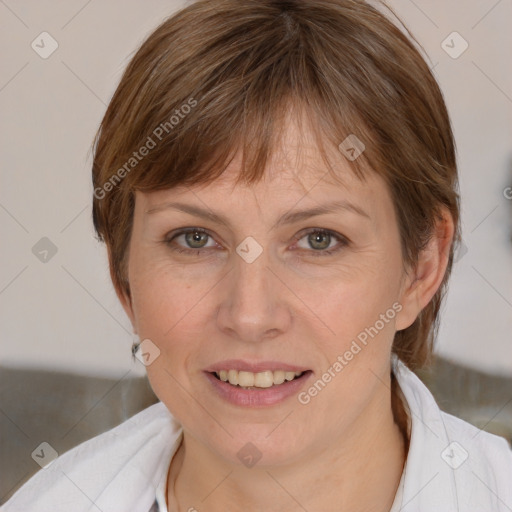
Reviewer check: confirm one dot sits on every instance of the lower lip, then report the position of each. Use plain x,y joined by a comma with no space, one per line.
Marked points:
258,397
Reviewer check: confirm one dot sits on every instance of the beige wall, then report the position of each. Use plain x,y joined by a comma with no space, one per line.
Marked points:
63,313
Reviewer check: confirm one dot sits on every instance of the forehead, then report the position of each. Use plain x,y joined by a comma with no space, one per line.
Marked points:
296,172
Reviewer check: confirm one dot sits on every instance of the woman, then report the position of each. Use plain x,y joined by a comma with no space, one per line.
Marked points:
276,185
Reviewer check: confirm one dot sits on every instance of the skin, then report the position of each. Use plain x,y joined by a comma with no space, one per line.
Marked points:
341,451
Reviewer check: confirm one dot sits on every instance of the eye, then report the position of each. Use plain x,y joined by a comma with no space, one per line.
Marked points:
316,241
190,240
321,242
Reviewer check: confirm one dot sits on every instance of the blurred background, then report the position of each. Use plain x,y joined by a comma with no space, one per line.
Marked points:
66,371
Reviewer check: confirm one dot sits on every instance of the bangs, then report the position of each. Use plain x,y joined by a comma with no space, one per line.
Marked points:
237,99
199,152
199,148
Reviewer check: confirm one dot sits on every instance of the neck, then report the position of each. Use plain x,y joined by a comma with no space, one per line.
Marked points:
360,471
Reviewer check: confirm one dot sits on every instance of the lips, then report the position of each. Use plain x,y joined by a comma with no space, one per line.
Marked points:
256,383
256,397
254,367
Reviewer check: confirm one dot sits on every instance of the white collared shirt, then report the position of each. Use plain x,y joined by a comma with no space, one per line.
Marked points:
451,466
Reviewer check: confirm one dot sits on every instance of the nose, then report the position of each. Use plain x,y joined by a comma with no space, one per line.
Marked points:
253,305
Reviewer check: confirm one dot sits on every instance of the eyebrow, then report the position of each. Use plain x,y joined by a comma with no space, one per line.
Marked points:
288,218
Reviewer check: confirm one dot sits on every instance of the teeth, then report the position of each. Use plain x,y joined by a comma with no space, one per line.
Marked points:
279,377
233,377
264,379
245,379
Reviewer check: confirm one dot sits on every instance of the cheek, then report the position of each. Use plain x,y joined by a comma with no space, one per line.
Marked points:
170,313
165,297
357,291
362,309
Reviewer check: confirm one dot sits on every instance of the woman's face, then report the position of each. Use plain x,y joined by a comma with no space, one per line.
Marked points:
295,273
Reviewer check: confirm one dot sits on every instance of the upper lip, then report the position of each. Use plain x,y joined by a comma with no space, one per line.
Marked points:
254,366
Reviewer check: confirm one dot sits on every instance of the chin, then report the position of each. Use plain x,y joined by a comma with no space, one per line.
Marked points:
254,447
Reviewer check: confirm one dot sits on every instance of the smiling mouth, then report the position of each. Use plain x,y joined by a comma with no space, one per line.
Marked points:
260,380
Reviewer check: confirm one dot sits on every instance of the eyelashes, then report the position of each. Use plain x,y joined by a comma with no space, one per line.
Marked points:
198,240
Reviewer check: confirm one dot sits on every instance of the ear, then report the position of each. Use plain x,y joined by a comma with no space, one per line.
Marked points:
420,286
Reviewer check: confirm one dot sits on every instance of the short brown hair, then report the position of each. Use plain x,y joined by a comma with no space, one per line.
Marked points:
218,77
